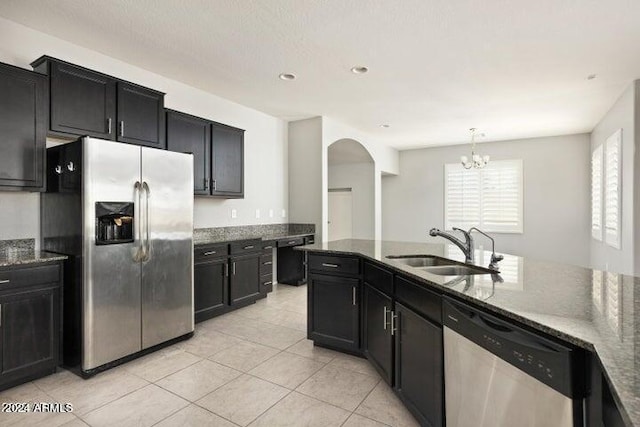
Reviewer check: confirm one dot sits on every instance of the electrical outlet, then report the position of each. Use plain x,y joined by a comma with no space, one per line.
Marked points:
257,213
234,213
270,213
284,213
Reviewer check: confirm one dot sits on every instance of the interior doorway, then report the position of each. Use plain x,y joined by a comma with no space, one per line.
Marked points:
340,214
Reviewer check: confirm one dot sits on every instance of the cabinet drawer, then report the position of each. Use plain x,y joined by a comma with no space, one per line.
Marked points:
378,277
283,243
245,246
425,302
26,276
268,246
334,264
210,251
266,264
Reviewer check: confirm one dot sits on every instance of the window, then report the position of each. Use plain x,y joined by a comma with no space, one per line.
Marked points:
613,151
489,198
596,193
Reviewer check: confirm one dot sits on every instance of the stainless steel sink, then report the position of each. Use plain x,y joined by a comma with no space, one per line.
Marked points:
421,260
456,270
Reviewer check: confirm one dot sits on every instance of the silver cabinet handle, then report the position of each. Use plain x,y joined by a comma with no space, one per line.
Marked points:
109,125
248,247
206,184
58,169
291,242
137,218
267,263
234,268
324,264
4,281
353,295
0,314
209,253
215,186
394,329
386,310
71,167
267,283
121,127
267,247
226,270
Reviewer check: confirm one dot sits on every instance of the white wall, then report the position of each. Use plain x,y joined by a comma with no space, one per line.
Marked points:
556,176
360,178
265,138
621,115
305,172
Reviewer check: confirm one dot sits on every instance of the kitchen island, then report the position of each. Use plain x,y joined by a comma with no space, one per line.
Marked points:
593,310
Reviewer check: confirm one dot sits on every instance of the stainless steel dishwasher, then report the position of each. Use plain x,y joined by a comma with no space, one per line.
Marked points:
498,374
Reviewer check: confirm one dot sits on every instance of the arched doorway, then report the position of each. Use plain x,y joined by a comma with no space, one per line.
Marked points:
351,191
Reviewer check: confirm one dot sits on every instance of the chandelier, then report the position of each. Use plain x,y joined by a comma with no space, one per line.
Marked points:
477,161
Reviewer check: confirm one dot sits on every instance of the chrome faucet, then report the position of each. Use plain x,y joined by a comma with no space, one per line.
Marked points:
466,247
493,265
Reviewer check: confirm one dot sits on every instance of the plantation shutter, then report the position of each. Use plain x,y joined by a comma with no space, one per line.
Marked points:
613,150
596,193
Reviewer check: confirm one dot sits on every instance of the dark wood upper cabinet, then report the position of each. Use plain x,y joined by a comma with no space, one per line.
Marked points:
86,102
23,129
83,102
140,116
227,161
189,134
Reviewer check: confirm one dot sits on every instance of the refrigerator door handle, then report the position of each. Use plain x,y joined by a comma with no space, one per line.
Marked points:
146,246
137,256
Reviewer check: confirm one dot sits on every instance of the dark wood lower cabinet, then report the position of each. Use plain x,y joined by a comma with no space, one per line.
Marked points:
29,323
210,288
419,378
334,313
377,339
244,278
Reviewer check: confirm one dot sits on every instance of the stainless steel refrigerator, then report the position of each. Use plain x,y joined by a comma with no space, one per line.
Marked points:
124,215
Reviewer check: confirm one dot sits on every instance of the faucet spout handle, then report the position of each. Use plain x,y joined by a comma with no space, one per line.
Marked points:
434,232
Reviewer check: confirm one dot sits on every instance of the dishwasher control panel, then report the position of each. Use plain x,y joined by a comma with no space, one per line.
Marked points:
558,366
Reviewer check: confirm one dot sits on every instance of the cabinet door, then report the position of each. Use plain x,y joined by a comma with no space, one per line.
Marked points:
188,134
210,289
227,161
29,334
82,102
23,128
419,366
377,340
244,283
334,311
140,116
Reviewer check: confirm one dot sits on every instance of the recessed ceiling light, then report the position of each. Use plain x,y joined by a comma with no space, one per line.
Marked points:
360,69
287,76
385,126
591,76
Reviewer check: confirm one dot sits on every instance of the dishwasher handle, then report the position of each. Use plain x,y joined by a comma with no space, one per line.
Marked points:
465,320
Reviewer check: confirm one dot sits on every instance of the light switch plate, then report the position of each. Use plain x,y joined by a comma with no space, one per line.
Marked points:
270,213
257,213
284,213
234,213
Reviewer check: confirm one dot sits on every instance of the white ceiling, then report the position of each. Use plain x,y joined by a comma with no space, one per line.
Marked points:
511,68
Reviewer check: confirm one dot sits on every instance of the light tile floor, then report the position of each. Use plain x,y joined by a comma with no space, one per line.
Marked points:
251,367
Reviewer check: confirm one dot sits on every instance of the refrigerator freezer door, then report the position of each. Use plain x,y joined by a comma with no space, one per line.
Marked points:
111,289
167,268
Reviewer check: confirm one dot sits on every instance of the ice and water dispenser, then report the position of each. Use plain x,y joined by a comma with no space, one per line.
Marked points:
114,223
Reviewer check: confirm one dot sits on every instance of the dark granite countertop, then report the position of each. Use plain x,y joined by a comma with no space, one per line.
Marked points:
207,240
10,257
596,310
